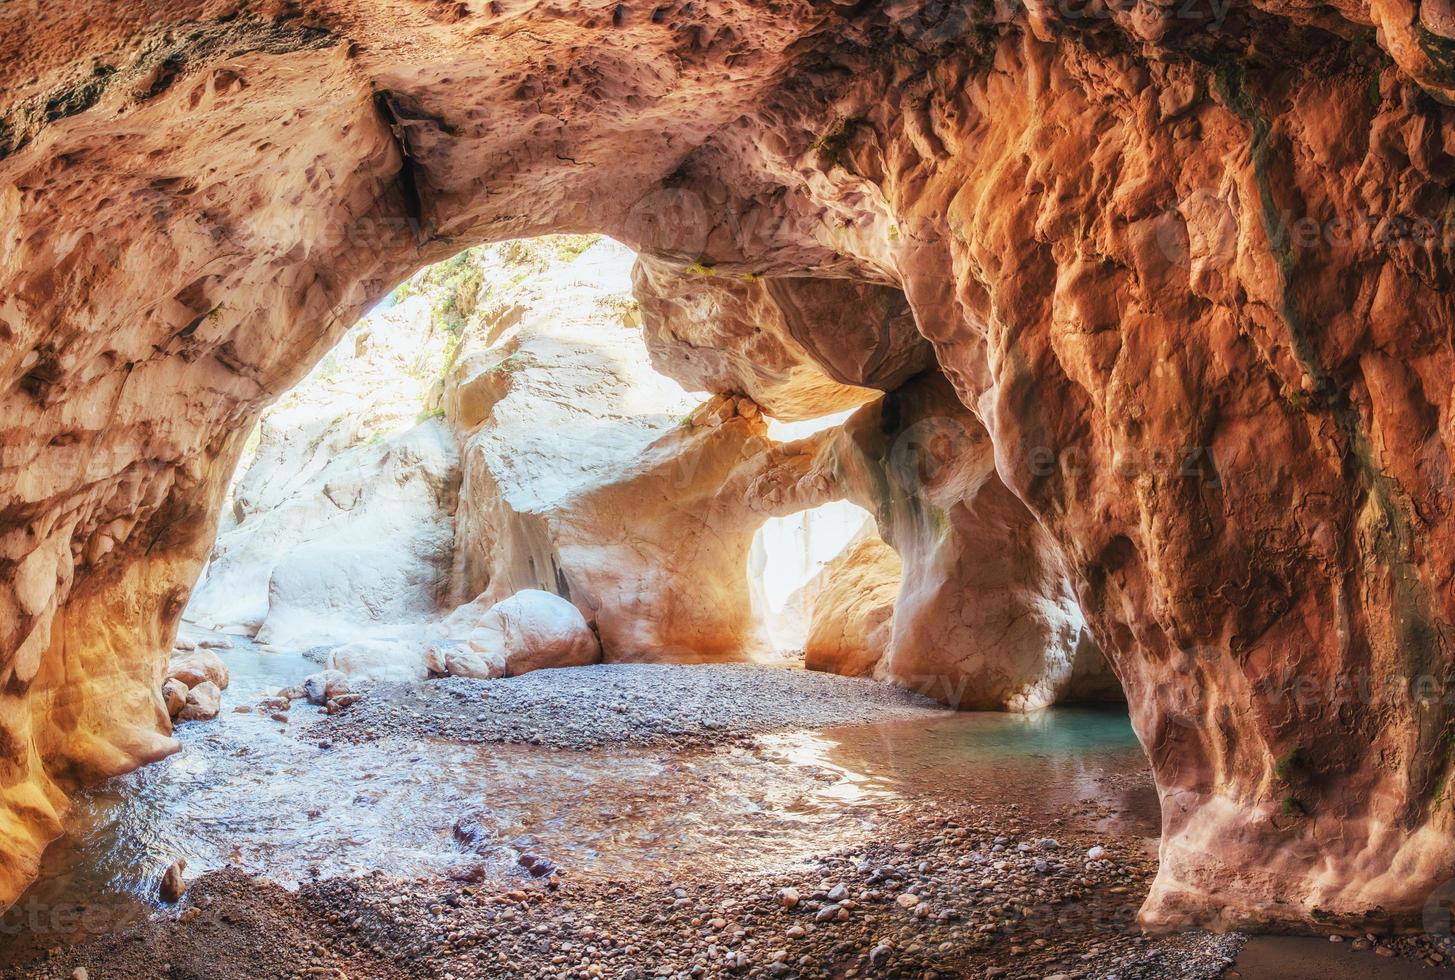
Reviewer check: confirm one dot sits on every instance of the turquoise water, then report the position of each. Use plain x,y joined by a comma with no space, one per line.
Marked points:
1046,762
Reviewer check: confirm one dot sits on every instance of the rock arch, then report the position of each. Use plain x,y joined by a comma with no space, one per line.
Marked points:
1187,267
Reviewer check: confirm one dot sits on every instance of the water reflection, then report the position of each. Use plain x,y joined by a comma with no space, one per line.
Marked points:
251,792
1045,761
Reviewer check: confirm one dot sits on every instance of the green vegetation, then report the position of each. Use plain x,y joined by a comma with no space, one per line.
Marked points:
568,248
625,307
832,147
1290,764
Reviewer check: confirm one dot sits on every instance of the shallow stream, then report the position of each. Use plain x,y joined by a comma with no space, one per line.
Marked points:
275,800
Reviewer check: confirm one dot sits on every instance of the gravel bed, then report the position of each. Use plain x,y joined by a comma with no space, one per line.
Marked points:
941,893
637,704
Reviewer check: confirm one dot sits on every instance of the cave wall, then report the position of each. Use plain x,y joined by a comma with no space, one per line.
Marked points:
1188,265
986,616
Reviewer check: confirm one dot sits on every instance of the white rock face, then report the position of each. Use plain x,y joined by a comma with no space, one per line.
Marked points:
788,561
341,522
555,396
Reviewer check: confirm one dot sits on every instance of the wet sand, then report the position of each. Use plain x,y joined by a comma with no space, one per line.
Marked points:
1304,958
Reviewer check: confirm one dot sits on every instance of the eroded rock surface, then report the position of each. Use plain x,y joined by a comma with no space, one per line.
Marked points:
985,615
852,619
1185,264
800,348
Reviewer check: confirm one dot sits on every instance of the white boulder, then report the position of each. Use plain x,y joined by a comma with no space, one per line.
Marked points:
380,661
532,630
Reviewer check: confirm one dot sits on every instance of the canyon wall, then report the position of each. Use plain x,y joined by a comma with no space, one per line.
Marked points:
1187,266
985,615
340,520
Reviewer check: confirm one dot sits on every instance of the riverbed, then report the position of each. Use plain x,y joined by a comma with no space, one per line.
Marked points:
668,811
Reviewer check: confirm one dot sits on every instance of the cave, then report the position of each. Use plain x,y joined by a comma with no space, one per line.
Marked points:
1155,298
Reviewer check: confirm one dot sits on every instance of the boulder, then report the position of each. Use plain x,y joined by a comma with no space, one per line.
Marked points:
203,703
174,695
380,661
197,666
852,620
319,688
173,885
463,660
531,630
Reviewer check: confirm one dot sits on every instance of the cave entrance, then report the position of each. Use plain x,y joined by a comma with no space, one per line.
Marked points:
341,522
497,428
792,563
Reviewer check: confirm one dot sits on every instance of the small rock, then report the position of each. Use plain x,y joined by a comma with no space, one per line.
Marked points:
1096,853
321,687
907,901
173,886
788,898
539,867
